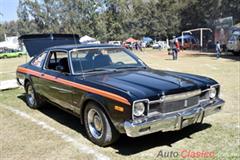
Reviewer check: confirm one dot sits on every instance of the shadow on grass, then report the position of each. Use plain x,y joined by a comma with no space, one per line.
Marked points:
125,145
60,116
128,146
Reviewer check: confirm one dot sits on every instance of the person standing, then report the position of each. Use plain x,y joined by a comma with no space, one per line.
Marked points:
175,48
218,49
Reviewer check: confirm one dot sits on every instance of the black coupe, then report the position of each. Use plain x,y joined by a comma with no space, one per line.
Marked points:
111,90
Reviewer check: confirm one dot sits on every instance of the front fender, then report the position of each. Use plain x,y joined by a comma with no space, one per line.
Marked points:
108,106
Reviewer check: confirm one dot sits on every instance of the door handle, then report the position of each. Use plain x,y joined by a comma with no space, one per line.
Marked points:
42,74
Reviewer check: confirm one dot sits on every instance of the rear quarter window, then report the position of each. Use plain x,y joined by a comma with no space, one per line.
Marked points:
39,60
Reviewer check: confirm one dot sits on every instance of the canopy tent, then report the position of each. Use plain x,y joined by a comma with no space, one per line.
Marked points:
87,39
186,37
193,30
131,40
10,42
10,45
147,39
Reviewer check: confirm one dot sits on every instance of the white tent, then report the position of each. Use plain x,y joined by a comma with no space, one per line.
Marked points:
9,45
10,42
87,39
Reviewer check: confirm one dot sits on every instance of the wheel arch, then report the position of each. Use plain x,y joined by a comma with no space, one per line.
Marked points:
94,99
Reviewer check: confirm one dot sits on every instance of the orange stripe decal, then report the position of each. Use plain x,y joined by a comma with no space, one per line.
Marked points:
75,85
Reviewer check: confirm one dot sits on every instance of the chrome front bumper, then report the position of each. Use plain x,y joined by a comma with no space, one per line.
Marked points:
172,121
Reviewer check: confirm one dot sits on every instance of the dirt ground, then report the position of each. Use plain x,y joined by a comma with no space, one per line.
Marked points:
50,133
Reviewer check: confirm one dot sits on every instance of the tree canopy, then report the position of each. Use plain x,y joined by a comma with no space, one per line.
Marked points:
118,19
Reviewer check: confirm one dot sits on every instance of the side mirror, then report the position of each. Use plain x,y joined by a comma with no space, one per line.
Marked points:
60,68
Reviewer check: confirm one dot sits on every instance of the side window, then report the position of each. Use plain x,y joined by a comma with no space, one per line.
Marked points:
58,60
39,60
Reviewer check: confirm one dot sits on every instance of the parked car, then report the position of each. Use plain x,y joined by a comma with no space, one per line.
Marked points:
233,44
115,43
156,46
111,90
10,53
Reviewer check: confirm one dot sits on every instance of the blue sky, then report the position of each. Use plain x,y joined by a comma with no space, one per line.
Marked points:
9,10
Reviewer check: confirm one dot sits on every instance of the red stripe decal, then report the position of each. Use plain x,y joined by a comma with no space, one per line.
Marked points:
76,85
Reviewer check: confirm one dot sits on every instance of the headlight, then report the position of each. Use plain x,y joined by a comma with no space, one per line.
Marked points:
138,109
212,92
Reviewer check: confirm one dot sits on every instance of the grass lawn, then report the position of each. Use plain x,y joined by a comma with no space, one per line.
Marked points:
219,134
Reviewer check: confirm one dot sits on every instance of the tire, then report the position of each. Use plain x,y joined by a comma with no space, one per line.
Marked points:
32,98
98,127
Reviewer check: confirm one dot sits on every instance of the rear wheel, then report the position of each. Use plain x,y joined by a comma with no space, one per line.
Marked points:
98,127
32,99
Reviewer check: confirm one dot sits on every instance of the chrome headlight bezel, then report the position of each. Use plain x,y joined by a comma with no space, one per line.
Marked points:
142,109
213,92
138,109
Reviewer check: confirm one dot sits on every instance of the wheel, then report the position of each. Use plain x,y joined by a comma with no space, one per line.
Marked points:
32,99
98,127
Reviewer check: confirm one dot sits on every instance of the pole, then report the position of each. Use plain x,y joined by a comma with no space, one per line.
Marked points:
182,40
201,38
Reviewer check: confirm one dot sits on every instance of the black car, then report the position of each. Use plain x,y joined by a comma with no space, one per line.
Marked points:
111,90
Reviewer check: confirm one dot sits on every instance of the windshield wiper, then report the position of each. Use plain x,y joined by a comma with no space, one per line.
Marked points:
130,67
99,70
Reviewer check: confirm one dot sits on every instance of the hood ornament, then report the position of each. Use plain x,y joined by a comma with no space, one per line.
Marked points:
180,82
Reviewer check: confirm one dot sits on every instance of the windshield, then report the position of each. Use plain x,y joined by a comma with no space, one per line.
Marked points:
103,59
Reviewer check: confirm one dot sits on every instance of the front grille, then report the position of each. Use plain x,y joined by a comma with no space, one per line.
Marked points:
172,106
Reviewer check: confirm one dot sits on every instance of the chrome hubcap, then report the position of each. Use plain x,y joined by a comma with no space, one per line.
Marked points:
30,95
95,123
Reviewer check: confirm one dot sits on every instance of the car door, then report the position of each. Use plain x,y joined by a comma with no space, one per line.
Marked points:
36,65
53,81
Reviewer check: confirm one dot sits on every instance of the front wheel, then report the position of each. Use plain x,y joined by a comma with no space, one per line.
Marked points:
98,127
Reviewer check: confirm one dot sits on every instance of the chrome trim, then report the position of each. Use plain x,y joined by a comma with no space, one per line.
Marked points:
141,100
61,89
173,121
181,96
85,48
169,98
60,50
91,48
211,87
80,49
181,109
175,97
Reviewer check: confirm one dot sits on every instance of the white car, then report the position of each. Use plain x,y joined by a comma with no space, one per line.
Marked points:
115,42
156,46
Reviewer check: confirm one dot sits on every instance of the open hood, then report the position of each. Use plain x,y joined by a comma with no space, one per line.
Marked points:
37,43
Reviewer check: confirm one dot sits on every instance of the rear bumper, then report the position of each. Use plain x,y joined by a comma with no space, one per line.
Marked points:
173,121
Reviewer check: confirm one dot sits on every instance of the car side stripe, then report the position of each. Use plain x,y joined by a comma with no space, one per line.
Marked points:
76,85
